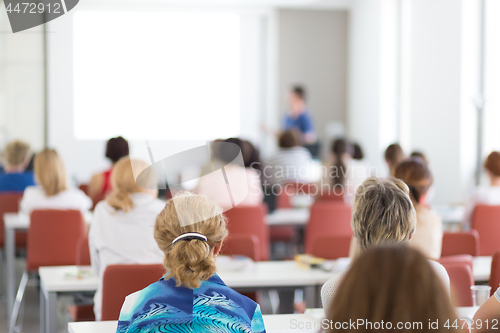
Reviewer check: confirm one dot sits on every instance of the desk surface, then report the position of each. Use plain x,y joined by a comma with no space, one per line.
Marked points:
68,279
22,220
288,216
274,323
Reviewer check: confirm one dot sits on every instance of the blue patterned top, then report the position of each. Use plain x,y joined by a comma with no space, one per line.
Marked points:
213,307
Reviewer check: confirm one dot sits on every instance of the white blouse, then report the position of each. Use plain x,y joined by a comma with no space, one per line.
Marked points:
118,237
34,197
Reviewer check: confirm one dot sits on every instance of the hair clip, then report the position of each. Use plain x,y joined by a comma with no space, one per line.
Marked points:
189,236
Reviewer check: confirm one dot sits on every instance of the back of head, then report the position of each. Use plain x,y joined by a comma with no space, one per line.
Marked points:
17,153
393,284
117,148
420,155
50,172
251,156
382,213
339,149
123,183
415,173
289,139
357,152
190,261
393,156
492,163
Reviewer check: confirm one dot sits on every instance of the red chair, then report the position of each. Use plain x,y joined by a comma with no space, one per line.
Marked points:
460,243
327,219
332,196
52,241
486,220
461,279
250,221
456,259
240,244
83,252
495,272
331,247
119,281
9,203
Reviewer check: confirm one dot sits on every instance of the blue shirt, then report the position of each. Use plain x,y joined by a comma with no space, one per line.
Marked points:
16,182
303,123
213,307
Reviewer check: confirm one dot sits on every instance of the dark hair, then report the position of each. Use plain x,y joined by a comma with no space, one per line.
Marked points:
492,163
251,156
393,156
288,139
116,148
357,152
339,148
299,91
415,173
391,284
420,155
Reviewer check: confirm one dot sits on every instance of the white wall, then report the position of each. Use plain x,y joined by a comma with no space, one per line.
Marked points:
313,53
21,85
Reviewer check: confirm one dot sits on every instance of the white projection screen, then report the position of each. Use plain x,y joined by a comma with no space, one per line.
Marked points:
177,77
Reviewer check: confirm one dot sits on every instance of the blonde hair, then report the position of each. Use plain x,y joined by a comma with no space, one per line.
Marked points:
16,153
391,285
123,183
190,261
50,172
382,213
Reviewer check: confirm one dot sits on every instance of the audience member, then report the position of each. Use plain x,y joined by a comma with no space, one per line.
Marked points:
391,286
122,227
100,184
52,192
393,156
15,177
383,214
191,297
428,236
486,195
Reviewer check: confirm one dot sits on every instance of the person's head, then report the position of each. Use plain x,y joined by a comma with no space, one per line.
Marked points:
393,156
289,139
415,173
50,172
116,148
123,183
251,154
297,100
420,155
391,284
17,155
341,150
190,261
492,165
357,152
382,213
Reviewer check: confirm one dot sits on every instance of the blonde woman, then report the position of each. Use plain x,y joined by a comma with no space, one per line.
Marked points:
191,297
382,214
52,192
122,228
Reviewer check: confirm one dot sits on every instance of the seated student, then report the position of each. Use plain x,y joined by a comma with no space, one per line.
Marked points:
290,164
486,195
420,155
487,317
16,178
122,228
191,297
393,285
428,236
100,184
52,193
382,214
393,156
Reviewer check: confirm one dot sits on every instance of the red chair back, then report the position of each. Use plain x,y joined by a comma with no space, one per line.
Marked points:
52,238
241,244
9,203
327,218
486,220
250,221
83,252
119,281
331,247
332,196
457,259
460,243
461,279
495,272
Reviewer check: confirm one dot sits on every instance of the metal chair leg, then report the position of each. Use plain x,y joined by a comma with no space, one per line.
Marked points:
17,303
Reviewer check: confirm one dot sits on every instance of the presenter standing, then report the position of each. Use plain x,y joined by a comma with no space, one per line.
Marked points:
298,117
